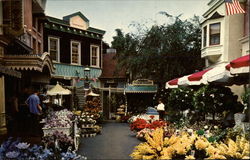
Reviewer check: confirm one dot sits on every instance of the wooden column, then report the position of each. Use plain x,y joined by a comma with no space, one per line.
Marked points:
3,129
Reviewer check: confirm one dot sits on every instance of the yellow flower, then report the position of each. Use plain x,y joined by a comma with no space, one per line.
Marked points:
180,149
201,143
189,157
217,156
211,150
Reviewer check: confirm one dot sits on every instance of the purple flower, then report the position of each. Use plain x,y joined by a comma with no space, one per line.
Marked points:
22,145
12,154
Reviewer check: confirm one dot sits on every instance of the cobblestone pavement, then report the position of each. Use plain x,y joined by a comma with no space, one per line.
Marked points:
115,142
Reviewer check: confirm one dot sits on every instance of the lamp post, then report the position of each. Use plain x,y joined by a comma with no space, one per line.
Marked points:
87,75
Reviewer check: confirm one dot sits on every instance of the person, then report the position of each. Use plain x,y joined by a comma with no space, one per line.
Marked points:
35,109
160,108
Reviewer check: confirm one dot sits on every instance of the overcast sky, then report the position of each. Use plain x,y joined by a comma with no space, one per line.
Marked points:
111,14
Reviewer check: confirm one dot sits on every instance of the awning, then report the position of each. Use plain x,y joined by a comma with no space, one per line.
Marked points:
240,65
183,81
198,78
141,89
10,72
219,74
58,90
172,84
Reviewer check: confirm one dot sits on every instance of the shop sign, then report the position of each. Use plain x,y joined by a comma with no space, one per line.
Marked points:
143,82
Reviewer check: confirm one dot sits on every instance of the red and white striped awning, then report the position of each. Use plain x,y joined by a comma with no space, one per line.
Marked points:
240,65
172,84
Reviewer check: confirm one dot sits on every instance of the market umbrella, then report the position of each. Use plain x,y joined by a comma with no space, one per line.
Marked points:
198,78
240,65
172,83
219,74
58,90
93,94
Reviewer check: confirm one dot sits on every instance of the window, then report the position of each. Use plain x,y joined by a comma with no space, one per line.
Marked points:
39,48
214,34
54,48
34,46
94,59
205,36
75,52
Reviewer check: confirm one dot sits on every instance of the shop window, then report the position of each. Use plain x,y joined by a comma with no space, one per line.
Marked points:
205,36
54,48
75,52
94,58
214,34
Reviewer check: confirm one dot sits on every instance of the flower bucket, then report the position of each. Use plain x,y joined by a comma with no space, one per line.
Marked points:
239,117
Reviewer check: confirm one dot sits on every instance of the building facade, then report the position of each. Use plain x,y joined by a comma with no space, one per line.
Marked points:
225,37
21,51
76,50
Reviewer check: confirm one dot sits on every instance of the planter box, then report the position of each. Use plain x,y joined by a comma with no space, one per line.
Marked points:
65,130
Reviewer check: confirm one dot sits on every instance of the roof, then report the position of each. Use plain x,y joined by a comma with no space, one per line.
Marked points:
66,23
66,18
109,67
141,89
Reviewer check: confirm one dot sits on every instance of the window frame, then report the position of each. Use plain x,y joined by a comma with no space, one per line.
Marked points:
204,30
212,44
79,52
58,48
98,56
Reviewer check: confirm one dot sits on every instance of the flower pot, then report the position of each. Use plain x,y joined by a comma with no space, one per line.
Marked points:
239,117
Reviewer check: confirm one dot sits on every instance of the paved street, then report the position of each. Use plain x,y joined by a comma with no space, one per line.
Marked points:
115,142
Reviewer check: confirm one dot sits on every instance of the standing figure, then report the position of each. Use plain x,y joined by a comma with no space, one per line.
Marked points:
161,109
35,109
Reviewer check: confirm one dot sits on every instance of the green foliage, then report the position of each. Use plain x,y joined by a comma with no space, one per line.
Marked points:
246,97
181,98
200,132
166,50
212,99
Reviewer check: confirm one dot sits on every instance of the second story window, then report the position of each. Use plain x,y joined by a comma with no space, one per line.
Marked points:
214,34
94,58
75,52
54,49
205,36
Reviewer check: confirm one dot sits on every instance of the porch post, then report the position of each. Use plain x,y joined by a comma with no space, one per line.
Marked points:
3,129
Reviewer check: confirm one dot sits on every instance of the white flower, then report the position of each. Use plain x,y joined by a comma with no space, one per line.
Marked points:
212,95
182,100
190,130
22,145
205,127
215,127
186,95
12,154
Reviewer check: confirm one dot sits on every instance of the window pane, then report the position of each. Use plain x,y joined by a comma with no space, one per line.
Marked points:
214,34
75,52
205,36
53,50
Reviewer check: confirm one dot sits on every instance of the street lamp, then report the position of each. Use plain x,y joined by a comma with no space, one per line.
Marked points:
87,75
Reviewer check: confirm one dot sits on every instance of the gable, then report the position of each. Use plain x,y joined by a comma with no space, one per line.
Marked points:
78,22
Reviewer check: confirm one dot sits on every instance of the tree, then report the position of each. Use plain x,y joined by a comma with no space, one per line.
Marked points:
169,50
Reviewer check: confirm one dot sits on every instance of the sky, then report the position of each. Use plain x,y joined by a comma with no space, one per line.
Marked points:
109,15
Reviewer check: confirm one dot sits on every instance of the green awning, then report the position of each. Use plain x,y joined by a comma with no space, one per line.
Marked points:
141,89
71,71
